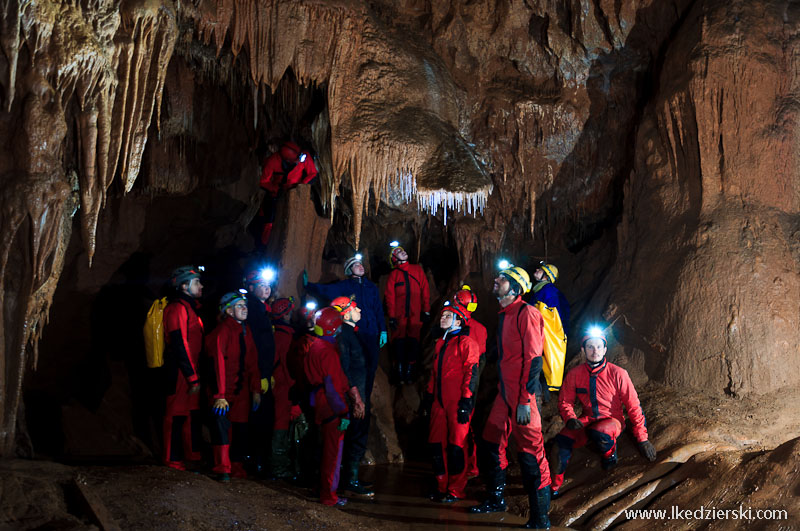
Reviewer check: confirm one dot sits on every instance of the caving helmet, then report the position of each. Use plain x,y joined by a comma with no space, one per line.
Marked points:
594,332
550,271
396,248
290,151
229,299
467,298
184,274
343,304
456,308
282,307
519,278
327,322
348,266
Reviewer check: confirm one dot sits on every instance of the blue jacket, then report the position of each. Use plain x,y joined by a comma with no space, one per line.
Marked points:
552,297
367,298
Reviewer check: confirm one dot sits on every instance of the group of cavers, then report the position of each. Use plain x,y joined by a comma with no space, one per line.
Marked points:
321,363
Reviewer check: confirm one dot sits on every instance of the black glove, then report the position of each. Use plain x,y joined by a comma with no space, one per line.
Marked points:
574,424
426,404
648,450
426,317
465,406
393,324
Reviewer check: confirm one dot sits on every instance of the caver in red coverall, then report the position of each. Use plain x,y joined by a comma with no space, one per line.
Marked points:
285,411
184,341
602,392
407,296
283,171
234,360
519,344
330,385
454,376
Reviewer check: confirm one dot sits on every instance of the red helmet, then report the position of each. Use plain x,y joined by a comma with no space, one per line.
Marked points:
281,307
327,322
343,304
393,255
290,151
457,309
466,298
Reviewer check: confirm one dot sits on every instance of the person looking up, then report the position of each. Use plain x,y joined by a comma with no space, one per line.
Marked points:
554,308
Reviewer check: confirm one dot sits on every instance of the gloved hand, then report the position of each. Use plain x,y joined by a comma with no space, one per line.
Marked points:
358,404
465,406
343,424
256,400
426,317
393,324
193,390
305,278
425,405
574,424
383,339
523,414
220,406
648,450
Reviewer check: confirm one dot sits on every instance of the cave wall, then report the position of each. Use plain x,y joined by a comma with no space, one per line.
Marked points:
708,242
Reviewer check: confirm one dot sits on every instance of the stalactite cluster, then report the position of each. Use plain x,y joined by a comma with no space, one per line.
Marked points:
88,74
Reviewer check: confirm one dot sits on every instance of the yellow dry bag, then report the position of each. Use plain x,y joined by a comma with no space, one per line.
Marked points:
154,334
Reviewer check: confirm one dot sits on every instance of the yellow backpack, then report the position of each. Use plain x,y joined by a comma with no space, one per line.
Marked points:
154,333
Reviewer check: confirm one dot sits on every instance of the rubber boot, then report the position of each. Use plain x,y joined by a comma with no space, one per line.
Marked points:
495,485
400,372
539,508
351,483
281,465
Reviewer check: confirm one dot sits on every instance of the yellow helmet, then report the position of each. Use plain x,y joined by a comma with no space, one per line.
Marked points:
520,276
550,270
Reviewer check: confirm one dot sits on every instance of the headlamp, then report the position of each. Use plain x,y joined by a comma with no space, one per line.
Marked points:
595,332
504,264
201,268
268,274
302,157
311,306
394,244
358,256
243,291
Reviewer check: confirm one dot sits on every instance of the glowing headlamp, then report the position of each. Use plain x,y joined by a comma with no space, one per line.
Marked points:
268,274
358,256
311,306
243,291
595,332
302,157
504,264
201,268
394,244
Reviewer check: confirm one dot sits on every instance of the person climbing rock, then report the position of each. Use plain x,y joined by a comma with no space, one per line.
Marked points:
329,388
519,346
372,326
282,466
467,298
603,389
408,304
235,385
352,354
283,170
258,283
450,396
183,332
553,306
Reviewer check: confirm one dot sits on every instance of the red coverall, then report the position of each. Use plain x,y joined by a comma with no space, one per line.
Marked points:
329,385
602,392
454,376
234,359
520,342
407,296
285,412
280,175
478,332
184,356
